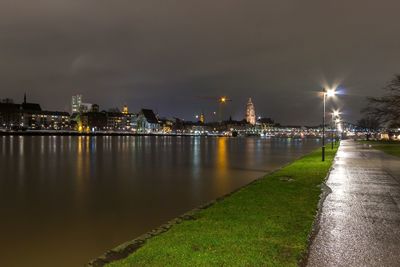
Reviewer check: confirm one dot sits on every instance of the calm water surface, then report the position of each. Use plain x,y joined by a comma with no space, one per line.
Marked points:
65,200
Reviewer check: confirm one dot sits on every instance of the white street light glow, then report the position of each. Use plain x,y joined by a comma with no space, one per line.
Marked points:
330,92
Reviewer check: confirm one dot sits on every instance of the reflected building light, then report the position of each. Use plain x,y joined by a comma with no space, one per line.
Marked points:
21,145
54,144
87,144
196,157
80,172
11,145
222,163
3,146
21,161
93,144
42,145
79,145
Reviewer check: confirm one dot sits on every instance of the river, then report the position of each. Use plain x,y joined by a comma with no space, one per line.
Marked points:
67,199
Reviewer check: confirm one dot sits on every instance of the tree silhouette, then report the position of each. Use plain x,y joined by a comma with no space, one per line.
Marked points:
386,109
369,124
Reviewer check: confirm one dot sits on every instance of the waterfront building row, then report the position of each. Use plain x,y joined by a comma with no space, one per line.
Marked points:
31,116
88,118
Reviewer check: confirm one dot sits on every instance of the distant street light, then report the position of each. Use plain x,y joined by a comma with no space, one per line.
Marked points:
326,93
336,113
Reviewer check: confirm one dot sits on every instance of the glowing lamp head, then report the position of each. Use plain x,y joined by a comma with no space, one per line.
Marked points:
330,92
223,99
336,113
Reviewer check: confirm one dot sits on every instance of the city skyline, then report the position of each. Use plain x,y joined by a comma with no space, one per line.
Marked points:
77,105
55,50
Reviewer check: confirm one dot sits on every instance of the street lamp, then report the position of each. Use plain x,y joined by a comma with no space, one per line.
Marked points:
330,92
326,93
335,114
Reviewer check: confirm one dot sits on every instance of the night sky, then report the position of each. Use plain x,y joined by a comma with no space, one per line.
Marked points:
174,56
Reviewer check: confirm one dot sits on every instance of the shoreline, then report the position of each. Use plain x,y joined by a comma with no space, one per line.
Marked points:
60,133
130,247
96,134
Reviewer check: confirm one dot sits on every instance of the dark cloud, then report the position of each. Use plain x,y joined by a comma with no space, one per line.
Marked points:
169,55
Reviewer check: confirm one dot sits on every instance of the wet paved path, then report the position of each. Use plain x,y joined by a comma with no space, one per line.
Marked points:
360,220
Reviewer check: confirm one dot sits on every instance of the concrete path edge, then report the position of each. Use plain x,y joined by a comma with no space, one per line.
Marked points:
325,191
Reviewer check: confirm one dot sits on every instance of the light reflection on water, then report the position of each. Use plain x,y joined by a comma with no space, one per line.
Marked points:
69,199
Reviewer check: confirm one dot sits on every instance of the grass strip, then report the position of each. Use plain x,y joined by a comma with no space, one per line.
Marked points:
389,147
266,223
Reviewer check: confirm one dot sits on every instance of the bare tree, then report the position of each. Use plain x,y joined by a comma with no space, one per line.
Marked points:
386,109
369,124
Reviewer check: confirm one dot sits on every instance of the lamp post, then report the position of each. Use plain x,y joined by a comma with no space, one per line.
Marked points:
335,114
326,93
332,132
337,125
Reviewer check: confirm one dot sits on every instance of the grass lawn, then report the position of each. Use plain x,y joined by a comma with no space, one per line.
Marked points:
267,223
390,147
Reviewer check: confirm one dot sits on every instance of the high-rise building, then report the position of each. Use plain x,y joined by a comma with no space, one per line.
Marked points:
76,103
250,113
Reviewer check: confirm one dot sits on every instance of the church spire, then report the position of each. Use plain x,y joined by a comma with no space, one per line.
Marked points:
250,113
24,98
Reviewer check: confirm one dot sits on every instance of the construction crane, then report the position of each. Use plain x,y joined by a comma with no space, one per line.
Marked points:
222,101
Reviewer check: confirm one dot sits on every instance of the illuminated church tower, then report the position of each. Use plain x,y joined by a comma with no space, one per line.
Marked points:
125,110
250,113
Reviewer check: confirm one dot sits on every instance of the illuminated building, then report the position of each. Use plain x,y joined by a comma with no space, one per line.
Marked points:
31,116
76,103
147,122
125,110
94,121
77,106
166,125
116,121
250,113
131,121
202,119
